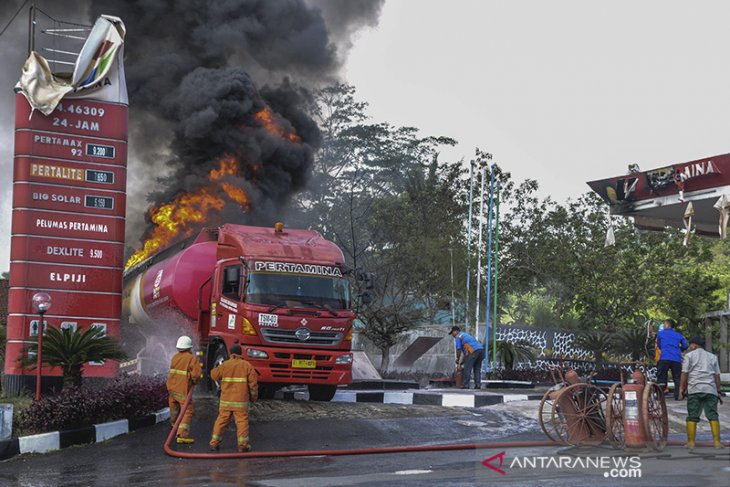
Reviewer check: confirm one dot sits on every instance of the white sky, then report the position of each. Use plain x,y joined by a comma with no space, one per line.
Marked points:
560,91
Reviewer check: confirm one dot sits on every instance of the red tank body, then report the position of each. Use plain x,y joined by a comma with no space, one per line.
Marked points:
282,295
170,286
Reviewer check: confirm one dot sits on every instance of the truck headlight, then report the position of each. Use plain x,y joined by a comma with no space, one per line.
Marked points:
344,359
253,353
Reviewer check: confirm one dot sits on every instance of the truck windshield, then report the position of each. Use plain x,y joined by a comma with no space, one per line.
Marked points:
297,290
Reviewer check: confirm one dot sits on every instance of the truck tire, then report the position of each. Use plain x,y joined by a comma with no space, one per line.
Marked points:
266,390
321,392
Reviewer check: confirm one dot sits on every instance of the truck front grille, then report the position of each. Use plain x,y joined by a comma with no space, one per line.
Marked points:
323,338
320,373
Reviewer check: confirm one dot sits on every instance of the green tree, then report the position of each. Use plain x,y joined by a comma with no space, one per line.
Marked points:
381,194
71,349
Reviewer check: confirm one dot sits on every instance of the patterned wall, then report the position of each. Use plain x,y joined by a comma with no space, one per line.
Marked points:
561,343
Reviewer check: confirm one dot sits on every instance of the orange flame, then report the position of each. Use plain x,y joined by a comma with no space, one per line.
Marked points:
274,124
179,216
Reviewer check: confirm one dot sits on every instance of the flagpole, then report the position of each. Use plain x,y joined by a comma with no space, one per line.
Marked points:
453,311
479,253
468,245
489,260
496,277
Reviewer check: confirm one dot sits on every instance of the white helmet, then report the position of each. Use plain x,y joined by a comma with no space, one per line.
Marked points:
184,342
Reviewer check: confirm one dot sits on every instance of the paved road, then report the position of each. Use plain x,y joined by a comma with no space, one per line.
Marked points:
137,459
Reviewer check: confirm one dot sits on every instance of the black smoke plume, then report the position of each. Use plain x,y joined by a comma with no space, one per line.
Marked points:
193,68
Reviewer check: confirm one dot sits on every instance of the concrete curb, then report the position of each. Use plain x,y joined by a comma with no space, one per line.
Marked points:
446,399
56,440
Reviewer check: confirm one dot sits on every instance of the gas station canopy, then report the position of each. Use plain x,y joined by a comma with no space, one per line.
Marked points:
660,197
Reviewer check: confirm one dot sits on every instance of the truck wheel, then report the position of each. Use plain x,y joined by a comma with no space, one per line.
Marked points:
267,391
321,392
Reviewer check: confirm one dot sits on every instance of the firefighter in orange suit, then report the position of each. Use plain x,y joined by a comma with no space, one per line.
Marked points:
239,388
185,372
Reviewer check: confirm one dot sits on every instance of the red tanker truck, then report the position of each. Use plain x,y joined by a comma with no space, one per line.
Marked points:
282,294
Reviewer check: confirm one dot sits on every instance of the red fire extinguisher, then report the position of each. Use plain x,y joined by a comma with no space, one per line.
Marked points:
634,433
459,376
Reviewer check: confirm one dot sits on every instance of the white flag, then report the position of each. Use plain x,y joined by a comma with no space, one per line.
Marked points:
723,206
688,214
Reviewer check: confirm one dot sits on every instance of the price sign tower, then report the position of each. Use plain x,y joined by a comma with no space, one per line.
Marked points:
69,199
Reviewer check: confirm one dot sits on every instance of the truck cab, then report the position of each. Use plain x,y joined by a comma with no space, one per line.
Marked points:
285,298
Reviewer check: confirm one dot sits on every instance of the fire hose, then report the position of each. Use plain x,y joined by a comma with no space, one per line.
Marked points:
356,451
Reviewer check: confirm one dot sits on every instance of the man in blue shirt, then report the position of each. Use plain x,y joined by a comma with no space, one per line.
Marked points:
672,344
473,356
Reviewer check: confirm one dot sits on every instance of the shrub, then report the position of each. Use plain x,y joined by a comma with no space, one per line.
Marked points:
74,407
72,349
510,353
632,342
595,342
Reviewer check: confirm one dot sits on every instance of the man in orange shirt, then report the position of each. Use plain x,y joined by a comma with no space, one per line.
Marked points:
185,372
239,387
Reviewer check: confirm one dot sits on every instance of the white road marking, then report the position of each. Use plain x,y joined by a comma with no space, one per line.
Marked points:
412,472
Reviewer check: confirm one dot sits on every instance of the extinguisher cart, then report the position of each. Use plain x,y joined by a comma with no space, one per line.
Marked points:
636,412
572,411
632,414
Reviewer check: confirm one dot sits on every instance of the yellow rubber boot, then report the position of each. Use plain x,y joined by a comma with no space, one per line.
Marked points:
691,434
715,427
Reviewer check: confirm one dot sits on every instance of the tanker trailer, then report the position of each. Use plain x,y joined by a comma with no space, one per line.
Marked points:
283,295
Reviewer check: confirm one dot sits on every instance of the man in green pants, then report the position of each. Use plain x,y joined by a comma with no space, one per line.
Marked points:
701,381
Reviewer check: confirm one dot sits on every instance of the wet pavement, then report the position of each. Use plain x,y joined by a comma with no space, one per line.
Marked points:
137,459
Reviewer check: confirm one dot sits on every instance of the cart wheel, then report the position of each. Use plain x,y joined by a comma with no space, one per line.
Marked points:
544,416
615,416
654,416
577,415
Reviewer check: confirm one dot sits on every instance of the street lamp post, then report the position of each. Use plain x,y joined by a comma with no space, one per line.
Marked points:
41,303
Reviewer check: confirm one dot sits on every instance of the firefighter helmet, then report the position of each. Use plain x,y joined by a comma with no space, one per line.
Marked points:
184,342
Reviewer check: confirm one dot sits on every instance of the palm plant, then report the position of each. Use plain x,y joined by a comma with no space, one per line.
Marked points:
509,353
595,342
71,349
632,342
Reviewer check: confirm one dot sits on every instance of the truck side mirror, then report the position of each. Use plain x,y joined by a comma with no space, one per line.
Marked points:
369,280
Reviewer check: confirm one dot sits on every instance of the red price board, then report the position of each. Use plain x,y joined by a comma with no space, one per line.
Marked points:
66,251
56,224
78,117
70,199
67,173
70,147
68,303
67,276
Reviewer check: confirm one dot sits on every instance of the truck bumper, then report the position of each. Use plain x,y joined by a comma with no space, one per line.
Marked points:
279,367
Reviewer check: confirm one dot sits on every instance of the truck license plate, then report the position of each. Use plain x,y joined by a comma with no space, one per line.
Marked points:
303,364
